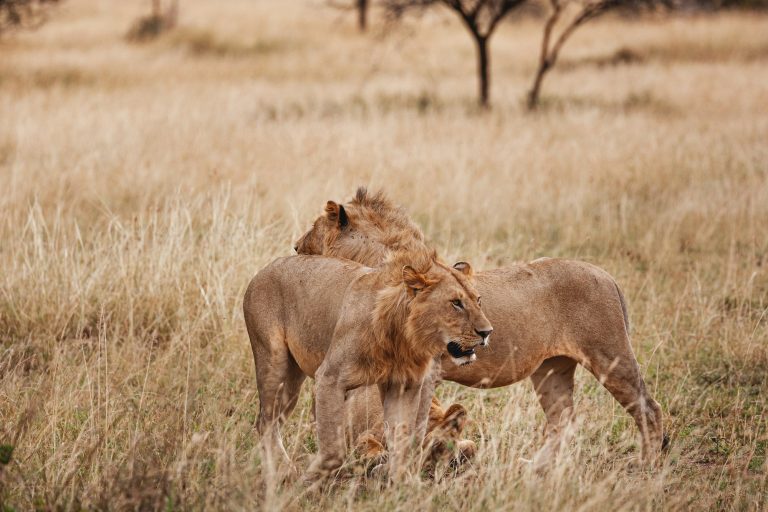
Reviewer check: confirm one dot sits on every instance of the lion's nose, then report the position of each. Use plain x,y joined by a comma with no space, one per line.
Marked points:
484,335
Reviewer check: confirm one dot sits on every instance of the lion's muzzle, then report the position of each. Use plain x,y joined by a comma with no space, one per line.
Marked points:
456,351
484,335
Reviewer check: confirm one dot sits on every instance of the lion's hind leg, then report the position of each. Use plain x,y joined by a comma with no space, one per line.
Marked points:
620,374
279,381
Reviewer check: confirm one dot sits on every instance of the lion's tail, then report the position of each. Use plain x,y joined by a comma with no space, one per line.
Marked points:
623,302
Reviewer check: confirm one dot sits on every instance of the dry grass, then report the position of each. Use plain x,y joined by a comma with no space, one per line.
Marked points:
144,185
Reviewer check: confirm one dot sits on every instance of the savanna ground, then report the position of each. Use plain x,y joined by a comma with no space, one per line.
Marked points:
143,186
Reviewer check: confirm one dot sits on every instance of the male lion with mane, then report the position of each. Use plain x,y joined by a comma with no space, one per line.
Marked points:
349,326
549,316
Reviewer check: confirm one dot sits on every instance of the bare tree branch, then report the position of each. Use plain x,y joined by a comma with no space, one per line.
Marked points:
588,10
361,6
156,23
480,17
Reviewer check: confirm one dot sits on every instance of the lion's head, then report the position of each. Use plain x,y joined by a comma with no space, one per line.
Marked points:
437,305
442,302
365,230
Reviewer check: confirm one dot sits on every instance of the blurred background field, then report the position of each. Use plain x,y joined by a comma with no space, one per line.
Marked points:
144,184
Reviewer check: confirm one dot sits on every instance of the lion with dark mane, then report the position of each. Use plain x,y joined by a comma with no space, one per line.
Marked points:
549,315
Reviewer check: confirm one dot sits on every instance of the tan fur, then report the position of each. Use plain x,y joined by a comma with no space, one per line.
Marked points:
394,234
549,315
443,442
349,326
379,229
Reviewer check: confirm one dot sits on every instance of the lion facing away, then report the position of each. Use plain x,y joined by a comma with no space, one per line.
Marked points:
549,316
349,326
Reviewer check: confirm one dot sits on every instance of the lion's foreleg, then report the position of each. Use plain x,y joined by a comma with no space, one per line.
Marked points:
330,411
425,401
553,383
401,408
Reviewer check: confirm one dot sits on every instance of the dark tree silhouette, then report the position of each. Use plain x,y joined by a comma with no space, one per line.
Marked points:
159,20
361,6
362,14
479,17
586,10
23,13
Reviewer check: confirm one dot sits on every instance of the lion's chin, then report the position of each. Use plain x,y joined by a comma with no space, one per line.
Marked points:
459,356
463,361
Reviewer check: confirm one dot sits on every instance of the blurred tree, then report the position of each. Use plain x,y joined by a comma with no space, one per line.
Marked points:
585,10
159,20
361,6
479,17
362,14
23,13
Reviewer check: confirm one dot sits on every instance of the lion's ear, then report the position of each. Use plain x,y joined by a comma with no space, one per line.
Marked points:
343,219
464,267
414,280
336,214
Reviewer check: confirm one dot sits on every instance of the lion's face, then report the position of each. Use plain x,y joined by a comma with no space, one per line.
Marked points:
445,307
312,242
324,231
345,233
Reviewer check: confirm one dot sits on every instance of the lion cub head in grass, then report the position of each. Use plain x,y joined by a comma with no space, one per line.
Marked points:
443,443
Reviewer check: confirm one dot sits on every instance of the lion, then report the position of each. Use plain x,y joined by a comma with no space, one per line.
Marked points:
348,325
550,315
443,442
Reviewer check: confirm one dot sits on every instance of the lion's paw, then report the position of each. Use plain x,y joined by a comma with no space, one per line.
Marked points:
321,468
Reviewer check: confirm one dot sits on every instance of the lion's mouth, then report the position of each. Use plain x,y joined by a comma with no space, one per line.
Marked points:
457,352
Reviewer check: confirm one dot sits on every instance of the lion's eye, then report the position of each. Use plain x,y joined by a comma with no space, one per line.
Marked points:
478,302
457,304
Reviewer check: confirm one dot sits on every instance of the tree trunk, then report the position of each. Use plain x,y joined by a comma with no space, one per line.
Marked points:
362,14
546,56
533,95
483,68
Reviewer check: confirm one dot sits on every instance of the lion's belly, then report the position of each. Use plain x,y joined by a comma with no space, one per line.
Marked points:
475,375
497,366
526,330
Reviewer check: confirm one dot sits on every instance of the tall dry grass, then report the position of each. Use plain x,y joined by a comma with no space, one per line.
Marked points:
142,187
